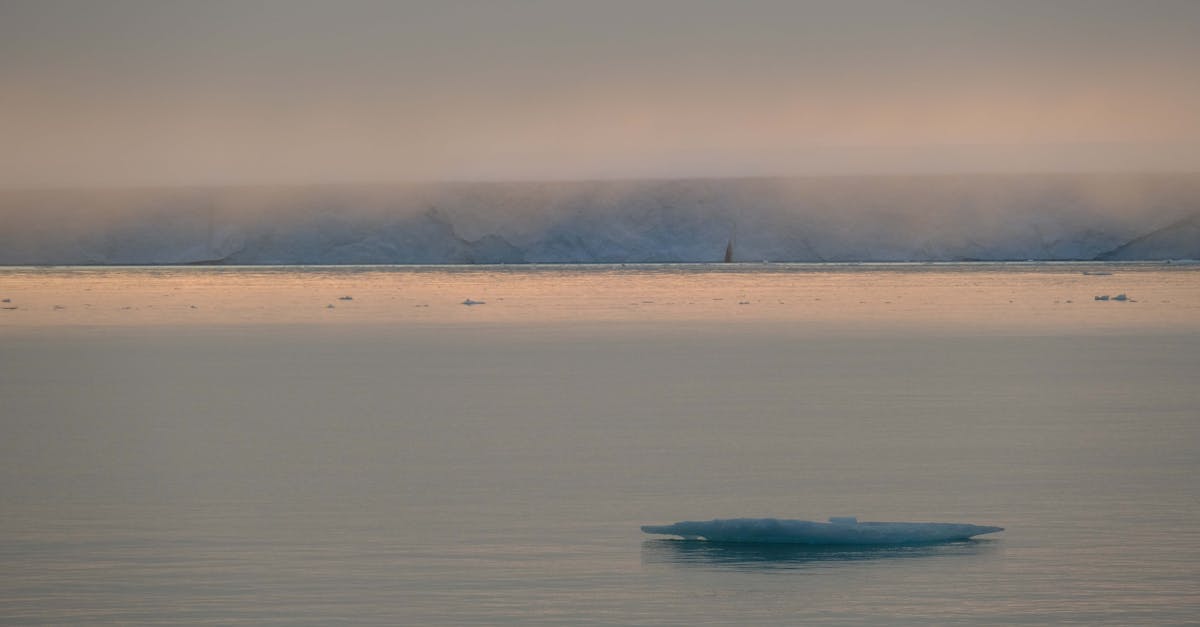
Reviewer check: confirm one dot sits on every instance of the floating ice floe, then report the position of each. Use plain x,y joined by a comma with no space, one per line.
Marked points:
840,530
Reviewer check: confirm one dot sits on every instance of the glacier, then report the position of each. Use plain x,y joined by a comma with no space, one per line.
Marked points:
838,531
800,219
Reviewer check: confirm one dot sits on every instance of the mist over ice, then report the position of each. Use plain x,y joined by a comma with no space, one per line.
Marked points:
817,219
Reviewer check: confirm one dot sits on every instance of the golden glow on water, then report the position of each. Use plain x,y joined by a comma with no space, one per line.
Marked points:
1051,297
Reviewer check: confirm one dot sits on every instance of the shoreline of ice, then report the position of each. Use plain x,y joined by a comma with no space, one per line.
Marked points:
818,219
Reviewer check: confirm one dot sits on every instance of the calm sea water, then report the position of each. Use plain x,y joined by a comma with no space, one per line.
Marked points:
197,445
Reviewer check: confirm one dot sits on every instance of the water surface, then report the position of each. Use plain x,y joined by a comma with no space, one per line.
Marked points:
263,458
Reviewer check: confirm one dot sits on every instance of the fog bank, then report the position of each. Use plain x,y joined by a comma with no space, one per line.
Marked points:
929,218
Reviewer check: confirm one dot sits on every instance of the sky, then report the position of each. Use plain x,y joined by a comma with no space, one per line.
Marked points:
168,92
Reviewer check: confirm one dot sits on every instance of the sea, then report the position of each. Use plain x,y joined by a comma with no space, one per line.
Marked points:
479,445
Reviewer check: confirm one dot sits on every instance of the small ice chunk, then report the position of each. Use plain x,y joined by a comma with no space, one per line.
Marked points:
839,531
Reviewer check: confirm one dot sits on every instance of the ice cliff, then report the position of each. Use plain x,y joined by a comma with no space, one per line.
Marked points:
920,218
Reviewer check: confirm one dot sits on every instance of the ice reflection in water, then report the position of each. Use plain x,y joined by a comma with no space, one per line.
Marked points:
765,556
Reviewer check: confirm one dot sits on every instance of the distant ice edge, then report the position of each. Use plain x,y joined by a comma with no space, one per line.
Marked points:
839,531
820,219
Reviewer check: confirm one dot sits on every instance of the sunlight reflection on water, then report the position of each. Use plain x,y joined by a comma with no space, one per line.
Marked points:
1013,296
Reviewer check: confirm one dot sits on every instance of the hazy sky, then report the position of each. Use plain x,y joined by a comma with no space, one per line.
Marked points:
117,92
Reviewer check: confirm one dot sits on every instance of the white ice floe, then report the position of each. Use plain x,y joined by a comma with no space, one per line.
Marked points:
839,530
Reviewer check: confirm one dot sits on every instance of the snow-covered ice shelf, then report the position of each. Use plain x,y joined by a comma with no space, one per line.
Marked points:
831,219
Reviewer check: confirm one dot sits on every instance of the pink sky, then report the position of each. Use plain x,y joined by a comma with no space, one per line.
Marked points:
146,92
